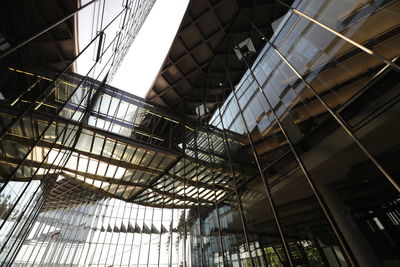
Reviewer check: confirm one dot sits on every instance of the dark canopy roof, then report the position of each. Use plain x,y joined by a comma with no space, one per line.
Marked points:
54,49
194,67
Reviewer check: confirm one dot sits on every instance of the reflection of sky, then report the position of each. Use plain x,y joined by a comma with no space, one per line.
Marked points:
246,89
145,57
88,25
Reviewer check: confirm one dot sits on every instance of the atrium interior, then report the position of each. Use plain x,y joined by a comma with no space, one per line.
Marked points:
267,138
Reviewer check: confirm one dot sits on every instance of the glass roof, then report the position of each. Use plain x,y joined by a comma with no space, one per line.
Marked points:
117,145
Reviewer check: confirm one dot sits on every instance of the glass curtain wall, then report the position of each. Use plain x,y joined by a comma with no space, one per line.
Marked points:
318,116
298,167
101,232
43,108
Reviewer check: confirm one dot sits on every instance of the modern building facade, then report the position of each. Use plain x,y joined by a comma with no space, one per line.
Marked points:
269,138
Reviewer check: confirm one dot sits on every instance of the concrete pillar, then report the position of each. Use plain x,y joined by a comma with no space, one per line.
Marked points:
359,245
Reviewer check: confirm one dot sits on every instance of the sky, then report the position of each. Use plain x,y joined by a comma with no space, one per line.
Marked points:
146,55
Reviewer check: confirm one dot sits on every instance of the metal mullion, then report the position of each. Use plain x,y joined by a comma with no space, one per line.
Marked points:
29,229
108,165
204,174
207,177
130,160
141,236
151,228
129,5
108,108
98,110
222,178
91,215
334,114
349,40
90,160
63,133
42,135
26,232
234,241
78,159
27,185
100,244
221,243
87,206
91,151
263,178
161,227
105,233
170,243
151,160
243,221
123,119
92,228
46,29
133,237
14,226
184,193
110,126
93,82
36,234
198,202
3,152
114,117
135,116
115,218
189,168
315,190
98,161
165,125
77,214
148,124
32,213
140,161
122,155
151,120
172,200
155,124
157,165
98,209
141,175
182,169
341,122
59,75
191,177
102,214
96,17
145,195
149,197
102,14
138,114
54,250
126,232
118,234
186,178
53,221
39,79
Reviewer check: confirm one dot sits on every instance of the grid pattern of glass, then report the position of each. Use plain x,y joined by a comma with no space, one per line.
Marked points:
298,167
